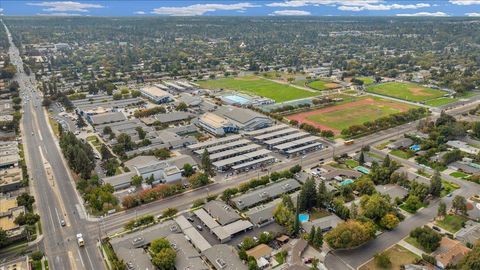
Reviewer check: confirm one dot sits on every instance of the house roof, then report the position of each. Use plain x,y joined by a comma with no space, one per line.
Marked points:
450,251
259,251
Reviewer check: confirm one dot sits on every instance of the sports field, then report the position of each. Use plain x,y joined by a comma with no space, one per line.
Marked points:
406,91
339,117
259,86
322,85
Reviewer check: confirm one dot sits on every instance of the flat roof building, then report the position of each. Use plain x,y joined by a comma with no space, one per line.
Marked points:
10,179
216,125
105,118
271,191
187,256
224,257
156,94
244,119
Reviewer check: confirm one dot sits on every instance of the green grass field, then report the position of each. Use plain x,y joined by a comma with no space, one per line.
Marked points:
357,114
259,86
451,223
398,256
407,91
401,154
440,101
459,175
366,80
322,85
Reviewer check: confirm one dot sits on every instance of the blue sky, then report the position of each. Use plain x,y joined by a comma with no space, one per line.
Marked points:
242,8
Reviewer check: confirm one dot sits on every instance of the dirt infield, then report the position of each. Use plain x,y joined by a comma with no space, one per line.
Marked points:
302,117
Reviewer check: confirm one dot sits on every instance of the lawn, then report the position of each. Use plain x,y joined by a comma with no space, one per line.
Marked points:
342,116
259,86
412,241
318,213
54,124
451,223
351,163
398,256
322,85
407,91
440,101
460,175
448,187
366,80
401,154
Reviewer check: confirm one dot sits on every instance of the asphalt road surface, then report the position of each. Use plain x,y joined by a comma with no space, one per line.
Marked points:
55,199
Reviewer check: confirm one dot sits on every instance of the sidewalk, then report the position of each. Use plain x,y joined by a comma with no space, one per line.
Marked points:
411,248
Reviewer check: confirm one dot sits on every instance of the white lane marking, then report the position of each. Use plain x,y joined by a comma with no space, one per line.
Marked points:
51,219
58,216
88,257
80,255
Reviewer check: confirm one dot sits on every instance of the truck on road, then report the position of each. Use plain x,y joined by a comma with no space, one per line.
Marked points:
80,241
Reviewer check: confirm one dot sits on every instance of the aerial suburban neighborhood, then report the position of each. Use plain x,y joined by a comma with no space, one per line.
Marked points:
239,142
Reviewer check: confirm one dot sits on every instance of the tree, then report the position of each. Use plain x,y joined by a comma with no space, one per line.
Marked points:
427,238
318,238
137,180
198,180
169,212
361,158
158,244
165,259
248,243
476,129
460,204
311,236
350,234
442,209
389,221
323,196
27,218
353,210
80,122
207,163
308,195
471,260
382,260
436,184
4,241
375,206
412,203
141,133
296,221
26,200
182,106
187,170
284,216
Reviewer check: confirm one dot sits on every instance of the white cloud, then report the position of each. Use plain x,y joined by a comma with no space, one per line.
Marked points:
64,6
465,2
59,14
140,12
425,14
301,3
290,12
473,14
200,9
383,7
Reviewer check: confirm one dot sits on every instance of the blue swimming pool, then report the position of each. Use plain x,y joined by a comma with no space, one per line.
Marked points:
237,99
346,182
303,217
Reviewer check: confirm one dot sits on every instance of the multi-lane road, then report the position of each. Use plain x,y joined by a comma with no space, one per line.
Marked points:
56,198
